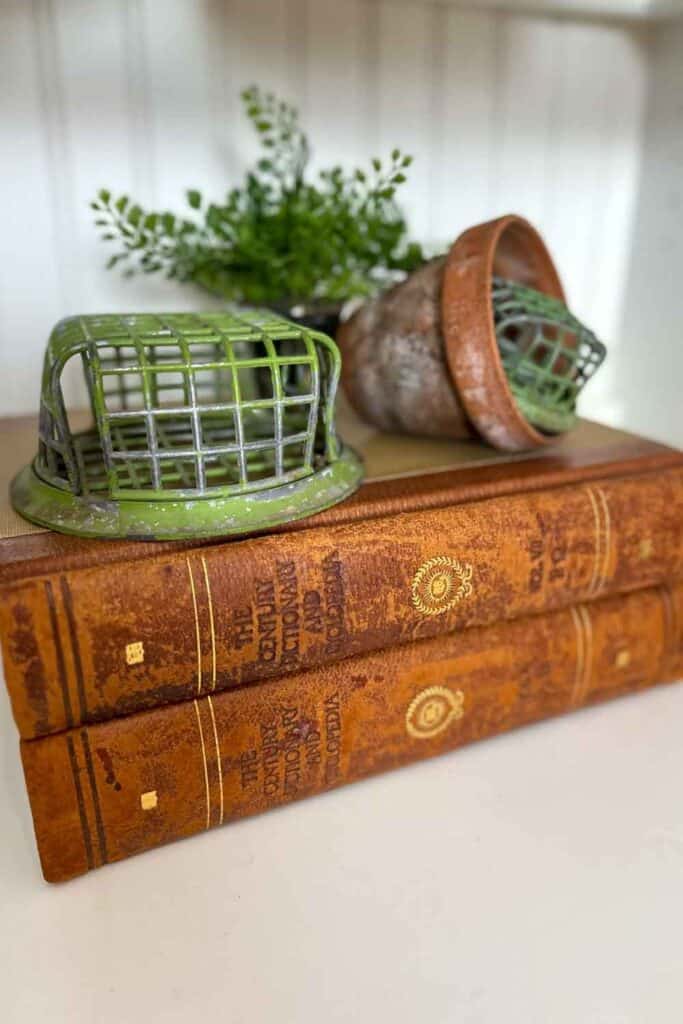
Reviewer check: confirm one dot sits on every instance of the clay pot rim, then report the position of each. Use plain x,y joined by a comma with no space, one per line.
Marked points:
469,332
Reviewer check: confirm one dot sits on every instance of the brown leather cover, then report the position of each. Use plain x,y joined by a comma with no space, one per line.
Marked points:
97,643
94,629
402,474
108,791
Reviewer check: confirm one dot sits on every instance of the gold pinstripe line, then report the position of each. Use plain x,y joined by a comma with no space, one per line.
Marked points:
676,625
196,628
608,537
219,762
580,655
206,769
588,658
676,618
670,624
598,536
213,632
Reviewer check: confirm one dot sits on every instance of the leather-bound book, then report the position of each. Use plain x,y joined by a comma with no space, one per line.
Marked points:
104,792
442,536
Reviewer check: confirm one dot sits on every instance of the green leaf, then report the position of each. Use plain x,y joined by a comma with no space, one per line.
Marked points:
281,231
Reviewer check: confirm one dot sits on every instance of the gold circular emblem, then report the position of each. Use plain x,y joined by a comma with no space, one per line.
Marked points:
440,584
433,710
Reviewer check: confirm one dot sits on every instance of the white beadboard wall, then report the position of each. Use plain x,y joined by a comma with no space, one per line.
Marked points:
503,112
649,374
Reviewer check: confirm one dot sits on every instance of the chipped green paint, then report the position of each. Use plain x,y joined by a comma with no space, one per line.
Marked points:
205,425
548,355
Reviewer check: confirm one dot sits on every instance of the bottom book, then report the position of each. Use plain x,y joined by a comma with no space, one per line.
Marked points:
105,792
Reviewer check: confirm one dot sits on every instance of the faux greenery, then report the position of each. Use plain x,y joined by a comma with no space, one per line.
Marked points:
279,236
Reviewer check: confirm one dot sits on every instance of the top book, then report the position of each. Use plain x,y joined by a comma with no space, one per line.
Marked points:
401,474
441,535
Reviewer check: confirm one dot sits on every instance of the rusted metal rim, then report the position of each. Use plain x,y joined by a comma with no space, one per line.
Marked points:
173,519
508,247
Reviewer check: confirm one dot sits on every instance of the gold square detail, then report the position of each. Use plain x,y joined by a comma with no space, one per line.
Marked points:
646,548
148,801
623,659
135,653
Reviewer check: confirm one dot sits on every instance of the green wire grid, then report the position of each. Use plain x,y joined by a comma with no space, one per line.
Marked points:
548,355
191,406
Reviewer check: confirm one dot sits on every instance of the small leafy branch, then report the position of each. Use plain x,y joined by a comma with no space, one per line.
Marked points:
279,237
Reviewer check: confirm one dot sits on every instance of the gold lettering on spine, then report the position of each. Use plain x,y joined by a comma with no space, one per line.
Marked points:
219,760
206,768
211,625
196,627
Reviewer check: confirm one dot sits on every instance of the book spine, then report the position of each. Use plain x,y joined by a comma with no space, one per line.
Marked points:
98,643
105,792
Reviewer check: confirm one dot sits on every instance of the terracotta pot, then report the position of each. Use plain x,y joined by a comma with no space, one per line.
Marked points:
423,357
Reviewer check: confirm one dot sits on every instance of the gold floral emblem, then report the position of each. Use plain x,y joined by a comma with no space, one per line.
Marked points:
433,710
440,583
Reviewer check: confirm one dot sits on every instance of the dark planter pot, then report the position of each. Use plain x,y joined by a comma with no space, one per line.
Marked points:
423,357
323,317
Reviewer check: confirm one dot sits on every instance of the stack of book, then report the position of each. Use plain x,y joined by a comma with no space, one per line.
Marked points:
161,689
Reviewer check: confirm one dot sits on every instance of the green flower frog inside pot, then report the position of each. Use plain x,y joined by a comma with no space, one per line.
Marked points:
205,425
547,354
476,342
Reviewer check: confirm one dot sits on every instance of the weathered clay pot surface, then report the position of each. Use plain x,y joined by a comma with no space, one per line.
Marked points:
423,357
394,368
508,247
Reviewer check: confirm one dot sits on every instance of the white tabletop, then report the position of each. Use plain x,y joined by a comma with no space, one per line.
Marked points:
536,877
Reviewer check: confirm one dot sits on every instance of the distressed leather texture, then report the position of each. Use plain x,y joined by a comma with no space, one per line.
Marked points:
95,643
111,790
